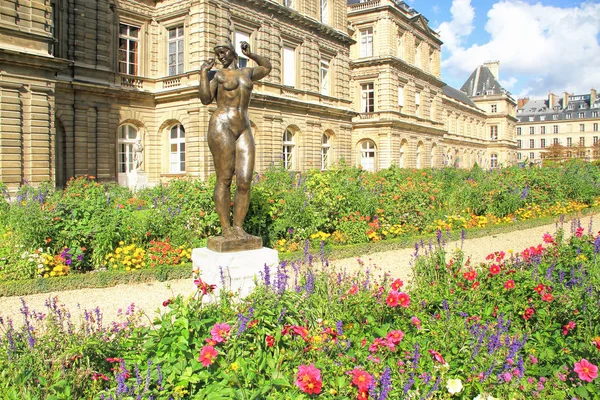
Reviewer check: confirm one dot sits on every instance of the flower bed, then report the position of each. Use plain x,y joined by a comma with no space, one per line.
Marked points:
518,326
341,206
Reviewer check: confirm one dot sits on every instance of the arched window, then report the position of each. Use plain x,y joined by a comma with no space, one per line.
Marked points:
288,149
402,159
325,150
494,160
433,155
367,155
128,135
418,155
177,149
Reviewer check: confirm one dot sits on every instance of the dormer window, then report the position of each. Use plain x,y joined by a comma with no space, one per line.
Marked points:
571,106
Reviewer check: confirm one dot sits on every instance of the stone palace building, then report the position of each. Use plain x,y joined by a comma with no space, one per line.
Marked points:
81,81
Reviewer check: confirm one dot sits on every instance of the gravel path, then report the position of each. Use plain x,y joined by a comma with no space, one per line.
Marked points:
149,296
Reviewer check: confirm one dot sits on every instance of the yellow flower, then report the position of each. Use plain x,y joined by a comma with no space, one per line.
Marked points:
234,366
454,386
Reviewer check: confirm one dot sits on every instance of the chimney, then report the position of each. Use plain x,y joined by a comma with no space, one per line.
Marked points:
593,96
494,67
522,101
565,100
552,100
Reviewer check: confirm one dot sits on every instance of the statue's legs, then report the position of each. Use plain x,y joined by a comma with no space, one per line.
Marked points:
244,167
221,143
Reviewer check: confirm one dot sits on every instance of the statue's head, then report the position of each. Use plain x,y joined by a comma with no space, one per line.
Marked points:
226,54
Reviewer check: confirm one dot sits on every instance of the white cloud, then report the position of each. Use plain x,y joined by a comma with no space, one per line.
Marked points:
543,48
461,25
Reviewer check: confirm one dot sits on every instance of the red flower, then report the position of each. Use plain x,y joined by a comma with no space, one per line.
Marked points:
596,342
548,238
353,289
361,379
270,340
437,356
509,284
528,314
96,377
392,299
579,232
207,355
547,297
397,284
416,322
586,370
470,275
204,287
539,288
167,302
494,269
404,300
308,379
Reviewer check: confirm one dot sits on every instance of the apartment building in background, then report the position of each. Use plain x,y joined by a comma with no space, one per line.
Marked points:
82,81
559,127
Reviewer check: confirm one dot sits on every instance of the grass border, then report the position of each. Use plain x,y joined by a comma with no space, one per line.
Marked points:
102,279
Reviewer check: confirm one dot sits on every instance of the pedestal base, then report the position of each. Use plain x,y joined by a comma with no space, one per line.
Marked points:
222,244
234,271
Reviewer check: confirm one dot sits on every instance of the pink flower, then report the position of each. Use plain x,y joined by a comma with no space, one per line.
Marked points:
361,379
579,232
416,322
353,289
470,275
586,370
392,299
220,332
494,269
308,379
404,300
509,284
270,340
528,314
437,356
395,336
548,238
207,355
397,284
547,297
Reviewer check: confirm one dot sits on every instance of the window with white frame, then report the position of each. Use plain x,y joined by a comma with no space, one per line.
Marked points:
288,149
556,141
519,155
581,127
367,155
324,11
554,116
128,135
325,78
366,42
494,132
542,117
518,131
595,127
129,49
289,66
569,142
494,108
418,55
238,38
554,128
595,140
568,116
177,149
543,143
531,156
367,97
325,150
519,144
531,130
400,97
288,3
175,48
581,115
594,114
582,141
494,160
417,104
532,143
542,130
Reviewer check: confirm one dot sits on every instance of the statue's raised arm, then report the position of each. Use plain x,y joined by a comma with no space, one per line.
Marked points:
264,65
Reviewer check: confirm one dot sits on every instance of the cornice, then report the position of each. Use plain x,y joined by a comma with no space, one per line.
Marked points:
399,64
47,63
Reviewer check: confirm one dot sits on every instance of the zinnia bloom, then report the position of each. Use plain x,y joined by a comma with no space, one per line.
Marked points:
547,297
220,332
270,341
528,314
494,269
308,379
586,370
207,355
353,289
361,379
395,336
397,284
548,238
509,284
392,299
454,386
470,275
404,300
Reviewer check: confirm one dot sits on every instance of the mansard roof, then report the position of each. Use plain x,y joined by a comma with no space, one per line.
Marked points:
482,83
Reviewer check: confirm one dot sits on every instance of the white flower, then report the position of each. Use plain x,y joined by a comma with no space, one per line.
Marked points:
454,386
485,396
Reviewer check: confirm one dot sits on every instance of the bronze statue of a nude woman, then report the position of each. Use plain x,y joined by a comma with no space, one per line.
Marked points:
229,135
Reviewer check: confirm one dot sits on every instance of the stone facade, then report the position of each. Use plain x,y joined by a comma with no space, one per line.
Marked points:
81,81
559,128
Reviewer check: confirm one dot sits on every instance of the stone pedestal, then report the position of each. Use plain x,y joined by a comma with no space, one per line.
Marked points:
222,244
137,179
238,269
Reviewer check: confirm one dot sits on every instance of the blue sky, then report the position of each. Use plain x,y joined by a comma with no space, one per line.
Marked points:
542,46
